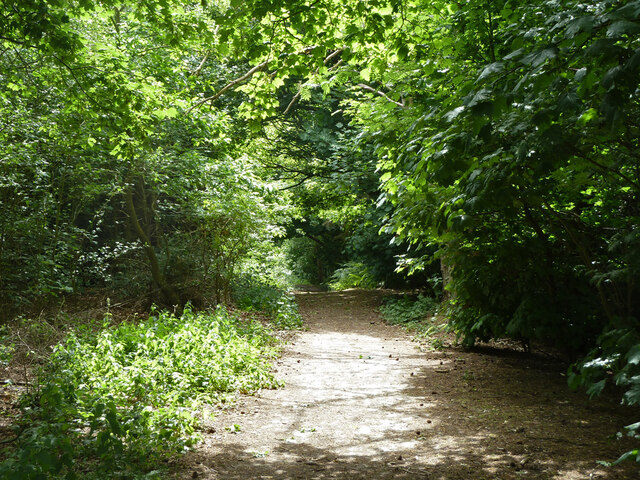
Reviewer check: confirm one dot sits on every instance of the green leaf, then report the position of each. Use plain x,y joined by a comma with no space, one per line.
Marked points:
623,27
633,356
479,97
601,46
630,11
633,63
596,388
490,69
610,77
170,112
630,455
453,114
632,429
515,54
403,52
582,24
580,74
588,116
536,59
632,396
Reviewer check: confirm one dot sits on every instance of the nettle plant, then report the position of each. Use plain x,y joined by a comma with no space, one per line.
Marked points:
118,401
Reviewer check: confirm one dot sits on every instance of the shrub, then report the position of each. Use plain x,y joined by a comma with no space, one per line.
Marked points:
616,360
114,402
278,305
405,310
414,314
353,275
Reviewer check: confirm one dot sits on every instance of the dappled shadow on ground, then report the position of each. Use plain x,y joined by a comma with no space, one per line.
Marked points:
362,402
309,462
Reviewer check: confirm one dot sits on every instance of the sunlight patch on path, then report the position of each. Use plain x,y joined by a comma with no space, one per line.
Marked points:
355,395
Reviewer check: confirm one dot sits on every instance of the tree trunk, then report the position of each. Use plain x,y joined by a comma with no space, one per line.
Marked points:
168,293
445,268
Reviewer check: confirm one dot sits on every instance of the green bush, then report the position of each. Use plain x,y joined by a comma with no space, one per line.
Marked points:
6,347
412,313
353,275
615,360
255,296
301,258
405,310
114,402
278,305
287,316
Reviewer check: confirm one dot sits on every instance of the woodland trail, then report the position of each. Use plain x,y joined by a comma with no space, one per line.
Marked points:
363,401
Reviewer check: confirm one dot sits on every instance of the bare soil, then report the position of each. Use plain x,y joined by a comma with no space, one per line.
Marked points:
364,401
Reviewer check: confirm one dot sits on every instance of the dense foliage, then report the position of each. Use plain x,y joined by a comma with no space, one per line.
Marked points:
162,148
106,181
114,403
506,138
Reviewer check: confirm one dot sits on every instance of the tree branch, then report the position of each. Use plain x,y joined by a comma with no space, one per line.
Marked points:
12,40
293,101
382,94
296,97
82,89
246,76
197,70
332,55
606,168
231,84
297,184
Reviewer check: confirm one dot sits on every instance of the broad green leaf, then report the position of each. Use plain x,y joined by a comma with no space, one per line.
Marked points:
582,24
623,27
596,388
539,57
630,455
490,69
588,116
633,357
630,11
453,114
632,396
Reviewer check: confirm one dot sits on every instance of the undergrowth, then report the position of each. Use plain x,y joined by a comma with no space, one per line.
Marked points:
280,307
353,275
114,403
415,314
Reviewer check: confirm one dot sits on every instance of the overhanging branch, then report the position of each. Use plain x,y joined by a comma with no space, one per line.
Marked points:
328,58
382,94
243,78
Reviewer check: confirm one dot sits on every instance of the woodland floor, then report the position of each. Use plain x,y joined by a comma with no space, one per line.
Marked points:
364,401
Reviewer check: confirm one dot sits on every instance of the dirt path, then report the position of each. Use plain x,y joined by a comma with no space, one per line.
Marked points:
362,401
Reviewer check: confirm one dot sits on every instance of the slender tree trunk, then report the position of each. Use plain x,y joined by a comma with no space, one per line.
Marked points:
445,268
168,293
